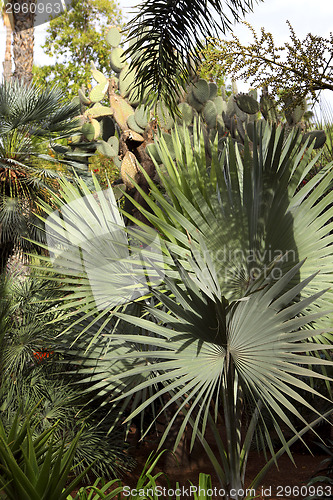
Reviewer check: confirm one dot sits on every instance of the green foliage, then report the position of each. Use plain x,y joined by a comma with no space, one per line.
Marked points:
241,309
146,487
35,468
32,118
222,113
211,73
33,376
79,37
104,169
169,45
298,69
99,490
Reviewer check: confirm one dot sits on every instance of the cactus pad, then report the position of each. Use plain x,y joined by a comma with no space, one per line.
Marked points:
268,108
83,99
231,106
91,130
247,104
220,104
98,76
113,37
164,118
98,111
201,90
126,81
117,61
210,114
121,110
106,149
141,116
186,113
98,92
198,106
97,128
132,123
213,88
319,136
114,143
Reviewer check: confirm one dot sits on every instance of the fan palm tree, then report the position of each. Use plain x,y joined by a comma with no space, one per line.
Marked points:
240,308
30,117
169,33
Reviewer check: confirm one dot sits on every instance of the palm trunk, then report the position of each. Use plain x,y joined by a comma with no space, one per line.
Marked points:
8,21
23,42
232,403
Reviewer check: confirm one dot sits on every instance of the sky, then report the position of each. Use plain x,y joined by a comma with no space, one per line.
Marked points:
305,16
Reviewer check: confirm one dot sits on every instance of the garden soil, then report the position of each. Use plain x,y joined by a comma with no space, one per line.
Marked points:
282,483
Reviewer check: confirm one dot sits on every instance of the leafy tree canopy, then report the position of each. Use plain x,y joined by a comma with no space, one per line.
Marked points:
295,70
78,38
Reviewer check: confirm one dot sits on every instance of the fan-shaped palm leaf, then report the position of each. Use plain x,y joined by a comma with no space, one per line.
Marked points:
247,209
222,325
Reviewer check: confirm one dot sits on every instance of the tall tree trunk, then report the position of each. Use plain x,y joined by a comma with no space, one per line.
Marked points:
23,41
8,21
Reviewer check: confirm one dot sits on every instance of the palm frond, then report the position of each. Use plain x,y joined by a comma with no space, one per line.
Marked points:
193,345
205,339
40,108
166,33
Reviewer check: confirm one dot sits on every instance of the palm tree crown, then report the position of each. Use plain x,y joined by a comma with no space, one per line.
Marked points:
30,117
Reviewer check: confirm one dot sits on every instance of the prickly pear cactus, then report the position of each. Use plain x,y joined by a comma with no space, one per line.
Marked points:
122,127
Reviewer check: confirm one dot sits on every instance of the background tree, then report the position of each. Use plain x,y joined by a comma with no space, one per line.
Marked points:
78,38
296,70
23,38
8,22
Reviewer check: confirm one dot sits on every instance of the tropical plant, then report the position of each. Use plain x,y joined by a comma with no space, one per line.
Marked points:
124,129
146,488
169,45
34,376
239,307
31,119
99,490
35,468
321,485
299,69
